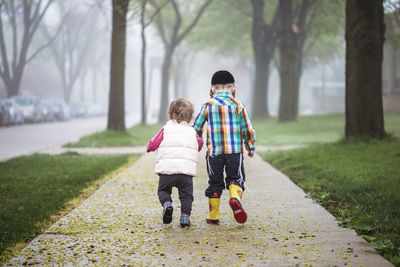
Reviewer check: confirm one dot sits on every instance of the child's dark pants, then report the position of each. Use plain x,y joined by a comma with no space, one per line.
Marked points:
184,183
233,164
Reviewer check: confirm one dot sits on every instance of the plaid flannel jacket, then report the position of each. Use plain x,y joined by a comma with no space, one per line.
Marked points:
228,125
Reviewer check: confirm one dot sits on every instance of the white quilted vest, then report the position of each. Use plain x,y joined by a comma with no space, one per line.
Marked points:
177,153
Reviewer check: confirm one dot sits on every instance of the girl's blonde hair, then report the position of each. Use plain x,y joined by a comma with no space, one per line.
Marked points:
181,110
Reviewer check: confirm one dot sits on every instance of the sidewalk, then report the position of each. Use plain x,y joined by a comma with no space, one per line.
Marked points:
137,149
121,224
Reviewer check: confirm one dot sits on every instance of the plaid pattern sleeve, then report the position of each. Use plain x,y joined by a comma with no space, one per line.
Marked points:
248,132
200,120
228,125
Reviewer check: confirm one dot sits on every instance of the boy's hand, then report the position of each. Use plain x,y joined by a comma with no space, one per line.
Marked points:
250,154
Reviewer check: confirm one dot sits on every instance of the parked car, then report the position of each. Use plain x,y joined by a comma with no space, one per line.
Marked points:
53,109
33,112
66,111
5,116
15,111
78,109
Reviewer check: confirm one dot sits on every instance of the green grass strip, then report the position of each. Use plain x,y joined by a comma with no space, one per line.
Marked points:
312,129
358,182
137,135
306,130
36,190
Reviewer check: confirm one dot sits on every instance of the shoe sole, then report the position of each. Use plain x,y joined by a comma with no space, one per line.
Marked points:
238,211
167,216
209,221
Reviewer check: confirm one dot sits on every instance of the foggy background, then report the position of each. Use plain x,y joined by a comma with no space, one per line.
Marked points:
82,30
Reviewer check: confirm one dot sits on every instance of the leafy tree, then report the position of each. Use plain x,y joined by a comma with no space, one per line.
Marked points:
249,31
225,34
392,21
307,28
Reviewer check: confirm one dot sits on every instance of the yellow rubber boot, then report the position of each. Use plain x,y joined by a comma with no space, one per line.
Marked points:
237,208
213,218
235,192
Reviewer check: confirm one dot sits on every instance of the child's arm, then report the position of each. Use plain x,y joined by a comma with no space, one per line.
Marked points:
155,142
199,141
248,132
200,120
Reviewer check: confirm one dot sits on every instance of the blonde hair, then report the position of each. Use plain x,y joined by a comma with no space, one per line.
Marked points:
181,110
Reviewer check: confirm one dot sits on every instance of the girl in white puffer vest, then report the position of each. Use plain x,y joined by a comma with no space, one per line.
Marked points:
177,144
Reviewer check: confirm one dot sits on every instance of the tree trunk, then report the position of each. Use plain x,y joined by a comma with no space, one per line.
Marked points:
264,42
177,86
165,83
12,87
82,85
288,48
364,53
94,85
67,89
14,83
116,109
260,87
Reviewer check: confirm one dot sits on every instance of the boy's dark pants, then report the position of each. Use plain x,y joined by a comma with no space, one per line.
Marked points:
233,165
184,183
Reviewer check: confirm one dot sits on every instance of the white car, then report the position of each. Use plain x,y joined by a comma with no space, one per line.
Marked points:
31,108
15,111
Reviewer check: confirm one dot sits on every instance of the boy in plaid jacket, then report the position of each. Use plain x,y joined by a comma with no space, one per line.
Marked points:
228,127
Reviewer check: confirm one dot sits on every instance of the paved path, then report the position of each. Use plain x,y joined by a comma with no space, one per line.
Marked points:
30,138
120,224
138,149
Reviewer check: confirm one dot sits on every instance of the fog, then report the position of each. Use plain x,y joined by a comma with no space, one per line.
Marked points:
73,44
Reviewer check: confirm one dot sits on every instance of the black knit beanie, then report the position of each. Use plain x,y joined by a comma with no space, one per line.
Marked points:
222,77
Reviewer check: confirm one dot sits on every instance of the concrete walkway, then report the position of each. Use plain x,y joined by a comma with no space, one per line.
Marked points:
137,149
121,224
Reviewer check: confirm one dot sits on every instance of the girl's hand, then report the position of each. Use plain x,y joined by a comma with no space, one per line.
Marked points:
250,154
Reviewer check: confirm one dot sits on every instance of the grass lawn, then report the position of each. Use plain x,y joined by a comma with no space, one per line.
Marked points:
307,130
312,129
137,135
358,182
37,190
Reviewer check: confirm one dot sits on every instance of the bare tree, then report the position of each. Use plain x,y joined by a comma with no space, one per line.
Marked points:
116,108
181,69
72,49
22,16
174,38
144,24
364,54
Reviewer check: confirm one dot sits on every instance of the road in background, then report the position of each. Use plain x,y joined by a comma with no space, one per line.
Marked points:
30,138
